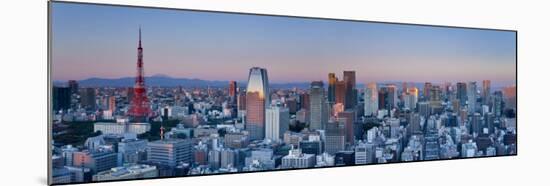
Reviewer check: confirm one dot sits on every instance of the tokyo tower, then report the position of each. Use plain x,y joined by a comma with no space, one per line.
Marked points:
139,109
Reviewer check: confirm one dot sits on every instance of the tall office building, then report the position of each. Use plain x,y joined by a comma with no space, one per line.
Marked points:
340,93
387,97
382,98
277,122
332,87
170,152
318,110
112,104
348,118
411,98
292,105
335,137
472,96
214,158
392,91
414,124
73,85
87,98
241,101
435,99
498,103
486,92
351,90
232,91
304,101
435,94
371,99
424,109
476,124
426,91
431,143
228,158
361,154
461,93
61,98
404,88
257,100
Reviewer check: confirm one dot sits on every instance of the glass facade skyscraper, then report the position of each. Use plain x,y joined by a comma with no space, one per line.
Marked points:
319,112
257,100
371,99
472,96
351,91
332,87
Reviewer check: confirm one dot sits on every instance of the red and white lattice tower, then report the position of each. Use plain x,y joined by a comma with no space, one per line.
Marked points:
139,107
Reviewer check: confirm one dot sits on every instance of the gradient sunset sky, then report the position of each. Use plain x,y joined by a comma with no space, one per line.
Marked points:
101,41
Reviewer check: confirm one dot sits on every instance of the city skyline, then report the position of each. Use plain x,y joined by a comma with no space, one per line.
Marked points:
102,132
267,42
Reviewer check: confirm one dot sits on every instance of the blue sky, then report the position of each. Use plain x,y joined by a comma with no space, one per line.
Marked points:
100,41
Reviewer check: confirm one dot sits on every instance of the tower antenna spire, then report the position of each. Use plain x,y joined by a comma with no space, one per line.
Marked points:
139,36
140,108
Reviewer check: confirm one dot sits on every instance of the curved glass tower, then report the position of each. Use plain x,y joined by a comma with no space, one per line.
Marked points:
257,100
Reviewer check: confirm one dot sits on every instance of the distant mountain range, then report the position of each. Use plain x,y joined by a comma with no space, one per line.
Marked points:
166,81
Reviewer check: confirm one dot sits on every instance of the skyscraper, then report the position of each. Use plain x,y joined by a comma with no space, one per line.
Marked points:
411,98
472,93
426,91
435,93
486,92
233,91
387,96
277,121
112,104
257,100
332,87
87,98
304,101
351,91
435,97
431,141
228,158
241,101
73,85
318,110
61,98
392,91
497,103
424,109
340,93
461,93
476,123
382,98
335,138
371,99
348,119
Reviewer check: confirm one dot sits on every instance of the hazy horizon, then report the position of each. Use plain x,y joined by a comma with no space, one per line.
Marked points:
101,41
